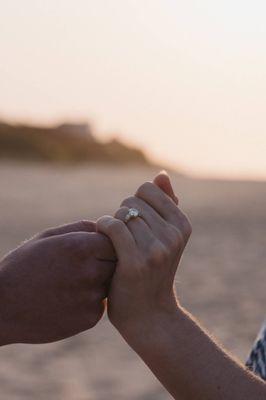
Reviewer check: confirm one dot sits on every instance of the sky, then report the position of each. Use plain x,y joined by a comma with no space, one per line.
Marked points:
185,80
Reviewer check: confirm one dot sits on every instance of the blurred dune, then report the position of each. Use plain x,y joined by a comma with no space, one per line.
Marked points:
65,144
221,278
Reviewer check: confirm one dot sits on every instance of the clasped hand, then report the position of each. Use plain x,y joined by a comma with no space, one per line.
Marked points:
55,285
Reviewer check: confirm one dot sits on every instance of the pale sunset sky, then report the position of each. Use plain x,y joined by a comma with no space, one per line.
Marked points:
185,80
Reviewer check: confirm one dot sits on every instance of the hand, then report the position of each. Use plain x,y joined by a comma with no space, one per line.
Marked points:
148,251
54,285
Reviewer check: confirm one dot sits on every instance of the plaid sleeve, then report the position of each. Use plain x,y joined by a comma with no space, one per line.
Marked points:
257,359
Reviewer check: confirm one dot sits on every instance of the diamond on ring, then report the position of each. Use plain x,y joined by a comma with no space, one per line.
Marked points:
132,214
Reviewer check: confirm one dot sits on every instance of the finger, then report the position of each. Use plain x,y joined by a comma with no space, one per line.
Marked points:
102,246
162,180
99,274
150,216
85,244
119,234
162,203
79,226
141,232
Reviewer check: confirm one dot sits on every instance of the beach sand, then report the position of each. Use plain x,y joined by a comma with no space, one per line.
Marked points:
221,279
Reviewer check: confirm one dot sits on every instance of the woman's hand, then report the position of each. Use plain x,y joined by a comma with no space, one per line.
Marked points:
142,304
148,249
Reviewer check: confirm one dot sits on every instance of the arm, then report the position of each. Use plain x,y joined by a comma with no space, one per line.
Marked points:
143,307
54,285
187,361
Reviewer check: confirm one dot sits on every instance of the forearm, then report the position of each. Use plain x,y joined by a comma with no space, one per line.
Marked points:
188,362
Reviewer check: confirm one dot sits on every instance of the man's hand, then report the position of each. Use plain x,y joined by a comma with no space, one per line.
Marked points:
54,285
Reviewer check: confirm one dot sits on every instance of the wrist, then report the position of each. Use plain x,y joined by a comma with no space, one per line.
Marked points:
147,329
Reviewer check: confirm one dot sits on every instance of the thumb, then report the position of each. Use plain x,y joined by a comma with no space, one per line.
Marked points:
162,180
79,226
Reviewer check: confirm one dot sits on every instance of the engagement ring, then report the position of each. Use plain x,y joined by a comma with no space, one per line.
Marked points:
132,214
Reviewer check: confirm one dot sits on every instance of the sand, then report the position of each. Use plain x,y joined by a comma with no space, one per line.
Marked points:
221,279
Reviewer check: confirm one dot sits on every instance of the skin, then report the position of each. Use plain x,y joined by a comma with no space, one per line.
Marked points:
143,305
54,285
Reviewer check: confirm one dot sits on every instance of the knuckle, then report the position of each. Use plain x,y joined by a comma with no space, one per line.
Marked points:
182,225
144,188
120,213
187,228
115,226
157,255
178,240
173,237
171,206
86,224
186,225
129,201
101,222
109,225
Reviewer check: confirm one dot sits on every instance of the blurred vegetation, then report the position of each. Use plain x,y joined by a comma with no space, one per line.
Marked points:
63,144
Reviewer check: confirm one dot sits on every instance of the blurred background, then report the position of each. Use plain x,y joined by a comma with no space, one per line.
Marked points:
95,98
